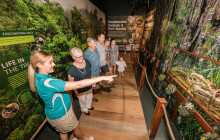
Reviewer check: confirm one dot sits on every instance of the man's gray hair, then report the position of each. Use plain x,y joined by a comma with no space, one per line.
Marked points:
90,40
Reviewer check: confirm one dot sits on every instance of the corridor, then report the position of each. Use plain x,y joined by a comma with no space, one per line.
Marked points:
118,114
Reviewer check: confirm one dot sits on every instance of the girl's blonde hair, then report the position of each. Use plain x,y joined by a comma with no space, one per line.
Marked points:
36,58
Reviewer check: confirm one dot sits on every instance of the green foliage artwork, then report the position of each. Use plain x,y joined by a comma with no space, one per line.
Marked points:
62,31
49,20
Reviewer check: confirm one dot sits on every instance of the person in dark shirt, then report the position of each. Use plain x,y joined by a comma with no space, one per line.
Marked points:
79,70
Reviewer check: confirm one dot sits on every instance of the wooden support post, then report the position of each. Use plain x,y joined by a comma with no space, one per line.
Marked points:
131,52
145,58
134,53
143,74
157,117
155,71
136,65
139,54
125,48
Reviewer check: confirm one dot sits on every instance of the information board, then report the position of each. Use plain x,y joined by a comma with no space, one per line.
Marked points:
21,110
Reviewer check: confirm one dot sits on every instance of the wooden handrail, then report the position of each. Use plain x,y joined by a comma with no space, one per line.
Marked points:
214,61
38,130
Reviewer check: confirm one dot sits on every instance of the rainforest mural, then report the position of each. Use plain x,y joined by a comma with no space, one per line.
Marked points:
61,30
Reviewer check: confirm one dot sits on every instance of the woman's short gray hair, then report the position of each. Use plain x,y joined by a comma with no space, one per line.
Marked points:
90,40
75,51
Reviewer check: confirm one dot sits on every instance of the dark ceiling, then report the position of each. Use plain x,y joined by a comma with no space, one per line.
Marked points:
124,7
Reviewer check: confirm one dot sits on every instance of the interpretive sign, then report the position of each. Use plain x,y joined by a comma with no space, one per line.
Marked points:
125,27
21,112
16,37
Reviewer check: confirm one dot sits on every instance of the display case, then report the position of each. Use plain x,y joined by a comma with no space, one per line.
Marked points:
199,77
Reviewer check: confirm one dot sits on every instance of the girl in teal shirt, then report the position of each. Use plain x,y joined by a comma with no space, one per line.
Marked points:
52,91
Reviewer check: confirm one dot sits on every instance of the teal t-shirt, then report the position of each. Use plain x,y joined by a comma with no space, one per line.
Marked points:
51,90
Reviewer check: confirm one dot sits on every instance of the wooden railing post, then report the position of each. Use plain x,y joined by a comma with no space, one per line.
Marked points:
131,52
155,71
125,48
145,58
136,65
139,54
143,74
157,117
134,53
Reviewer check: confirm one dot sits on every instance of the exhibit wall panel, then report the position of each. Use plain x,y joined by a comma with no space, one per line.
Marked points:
21,111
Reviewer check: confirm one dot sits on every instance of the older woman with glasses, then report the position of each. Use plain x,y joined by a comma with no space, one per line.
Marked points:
79,70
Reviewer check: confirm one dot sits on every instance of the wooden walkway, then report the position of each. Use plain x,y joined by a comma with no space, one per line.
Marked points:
118,115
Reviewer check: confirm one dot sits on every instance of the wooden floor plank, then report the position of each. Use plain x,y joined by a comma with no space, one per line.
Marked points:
102,134
113,116
115,126
118,114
